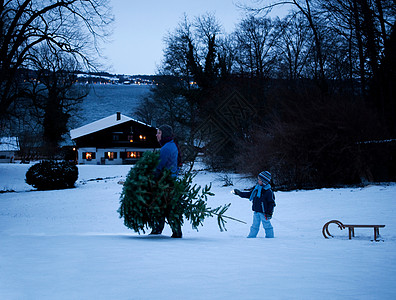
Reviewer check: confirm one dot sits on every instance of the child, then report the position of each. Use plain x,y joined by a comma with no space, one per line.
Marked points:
263,203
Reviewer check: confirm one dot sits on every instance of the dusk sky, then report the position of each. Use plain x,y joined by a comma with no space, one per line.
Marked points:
140,26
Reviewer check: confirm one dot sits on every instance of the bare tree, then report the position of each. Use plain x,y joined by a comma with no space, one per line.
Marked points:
368,27
255,46
175,61
308,9
226,55
198,55
191,51
71,26
364,26
60,95
293,47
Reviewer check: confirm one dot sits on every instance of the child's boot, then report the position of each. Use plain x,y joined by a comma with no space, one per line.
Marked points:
269,232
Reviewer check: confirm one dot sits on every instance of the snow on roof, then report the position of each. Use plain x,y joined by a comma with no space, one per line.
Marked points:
9,144
101,124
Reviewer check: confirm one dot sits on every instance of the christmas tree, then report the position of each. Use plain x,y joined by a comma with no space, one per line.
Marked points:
146,199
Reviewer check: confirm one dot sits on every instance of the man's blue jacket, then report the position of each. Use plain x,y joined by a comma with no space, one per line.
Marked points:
168,158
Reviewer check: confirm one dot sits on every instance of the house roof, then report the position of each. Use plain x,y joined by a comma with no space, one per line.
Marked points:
9,144
101,124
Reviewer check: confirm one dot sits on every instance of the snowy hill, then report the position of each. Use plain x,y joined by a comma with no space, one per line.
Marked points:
71,244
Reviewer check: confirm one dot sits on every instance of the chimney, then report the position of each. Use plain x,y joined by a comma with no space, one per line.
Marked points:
118,115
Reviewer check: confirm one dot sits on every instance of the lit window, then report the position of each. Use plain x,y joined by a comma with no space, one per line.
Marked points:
130,138
142,137
89,155
133,154
110,155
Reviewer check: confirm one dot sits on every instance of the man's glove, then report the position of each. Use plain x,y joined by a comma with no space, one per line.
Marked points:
268,217
237,192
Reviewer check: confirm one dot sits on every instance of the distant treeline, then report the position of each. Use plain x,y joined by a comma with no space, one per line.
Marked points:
298,96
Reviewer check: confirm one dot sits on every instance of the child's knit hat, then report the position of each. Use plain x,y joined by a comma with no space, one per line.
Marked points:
265,176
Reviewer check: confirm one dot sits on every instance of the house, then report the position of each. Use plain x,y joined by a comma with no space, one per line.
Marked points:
8,148
114,140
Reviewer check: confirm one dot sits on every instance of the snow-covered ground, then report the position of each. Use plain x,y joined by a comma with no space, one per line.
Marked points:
71,244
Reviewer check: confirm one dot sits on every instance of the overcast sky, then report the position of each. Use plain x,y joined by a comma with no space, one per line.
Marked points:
141,25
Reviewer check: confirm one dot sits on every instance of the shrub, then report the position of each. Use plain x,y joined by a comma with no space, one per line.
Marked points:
52,175
312,140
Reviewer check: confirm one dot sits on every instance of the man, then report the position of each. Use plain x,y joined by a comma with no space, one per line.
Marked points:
169,152
169,156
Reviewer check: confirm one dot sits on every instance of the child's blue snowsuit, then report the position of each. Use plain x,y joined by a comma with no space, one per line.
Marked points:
263,203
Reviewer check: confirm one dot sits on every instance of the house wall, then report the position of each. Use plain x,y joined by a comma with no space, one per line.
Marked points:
7,156
9,146
100,156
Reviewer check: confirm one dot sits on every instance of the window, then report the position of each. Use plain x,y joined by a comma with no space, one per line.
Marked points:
130,155
116,137
130,138
88,155
142,137
134,154
110,155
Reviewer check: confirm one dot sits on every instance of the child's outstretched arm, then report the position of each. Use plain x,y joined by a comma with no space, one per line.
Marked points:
242,194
